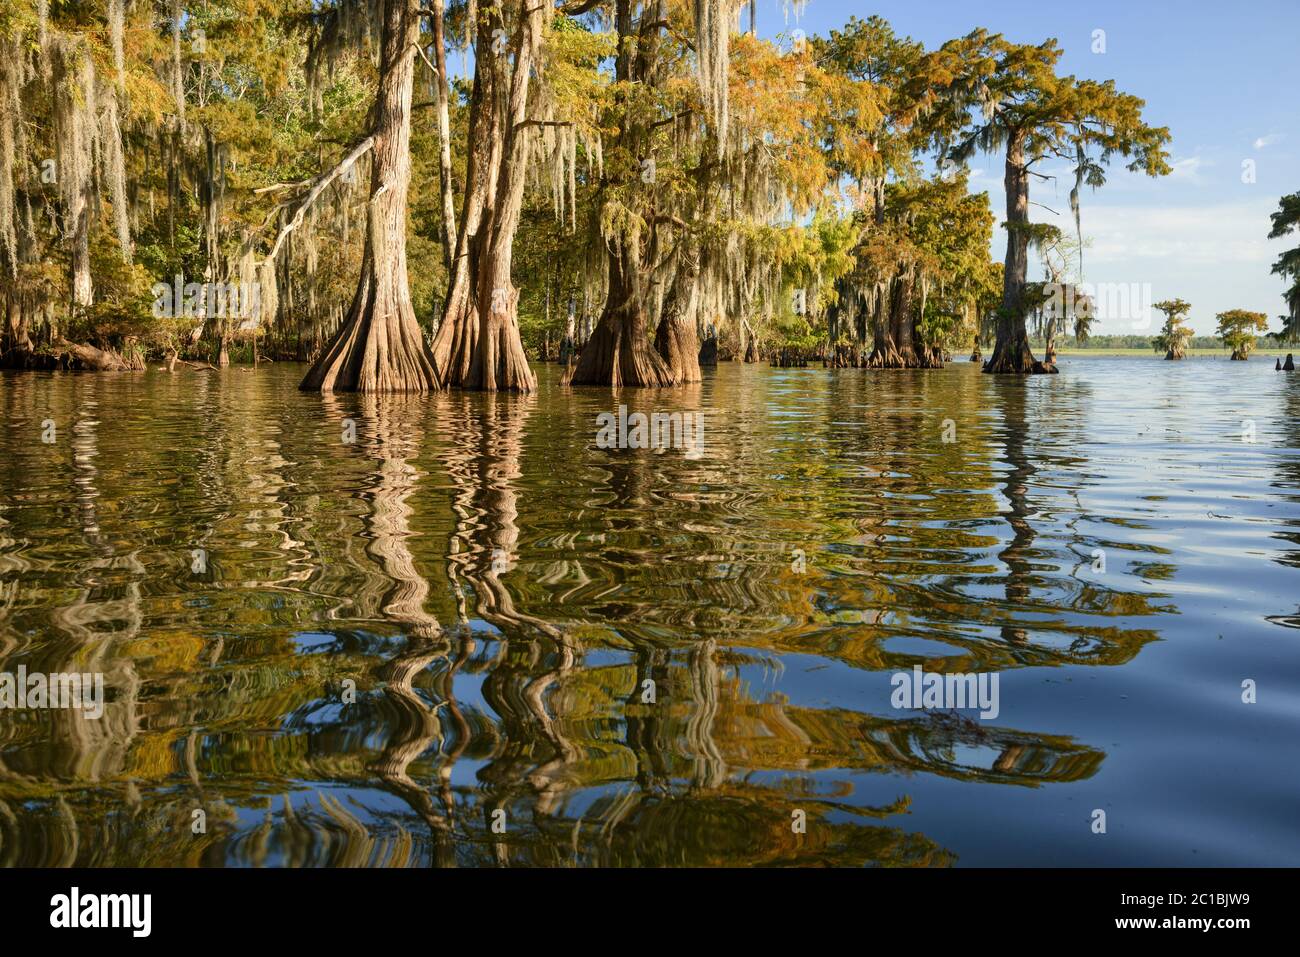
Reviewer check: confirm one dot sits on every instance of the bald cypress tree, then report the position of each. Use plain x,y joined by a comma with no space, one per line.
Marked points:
379,346
1016,104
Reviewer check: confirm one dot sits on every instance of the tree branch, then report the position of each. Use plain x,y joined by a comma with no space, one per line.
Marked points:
520,125
576,8
319,186
671,119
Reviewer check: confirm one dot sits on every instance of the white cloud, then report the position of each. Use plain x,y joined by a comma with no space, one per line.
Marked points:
1189,169
1269,140
1193,236
1214,255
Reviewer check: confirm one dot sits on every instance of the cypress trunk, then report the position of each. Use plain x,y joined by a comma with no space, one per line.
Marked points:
1011,350
619,352
379,346
498,361
478,344
675,339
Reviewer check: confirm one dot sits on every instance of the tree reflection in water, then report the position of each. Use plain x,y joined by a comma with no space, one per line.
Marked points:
402,563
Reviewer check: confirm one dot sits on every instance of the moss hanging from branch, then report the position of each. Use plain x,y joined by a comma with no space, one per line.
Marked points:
116,32
713,24
114,171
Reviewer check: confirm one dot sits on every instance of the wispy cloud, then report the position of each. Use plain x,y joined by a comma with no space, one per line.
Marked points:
1214,255
1208,235
1268,140
1189,170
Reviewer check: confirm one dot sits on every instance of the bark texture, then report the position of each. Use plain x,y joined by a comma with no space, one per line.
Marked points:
619,351
379,346
1011,351
675,340
478,344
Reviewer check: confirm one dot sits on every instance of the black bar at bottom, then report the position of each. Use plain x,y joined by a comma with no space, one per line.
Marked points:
656,907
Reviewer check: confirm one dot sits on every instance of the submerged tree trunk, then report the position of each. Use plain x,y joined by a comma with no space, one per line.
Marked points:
16,343
1011,351
619,351
379,347
97,360
751,342
676,343
478,344
931,357
709,351
675,340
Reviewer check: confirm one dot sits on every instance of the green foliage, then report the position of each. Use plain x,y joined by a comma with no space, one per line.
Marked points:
820,188
1174,336
1286,221
1237,328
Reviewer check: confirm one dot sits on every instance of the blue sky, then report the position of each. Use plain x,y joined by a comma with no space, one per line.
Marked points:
1223,76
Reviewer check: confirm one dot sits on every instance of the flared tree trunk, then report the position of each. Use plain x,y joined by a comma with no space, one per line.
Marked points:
1011,350
16,345
882,339
675,339
931,357
499,362
453,345
676,342
379,346
904,323
894,332
619,351
478,344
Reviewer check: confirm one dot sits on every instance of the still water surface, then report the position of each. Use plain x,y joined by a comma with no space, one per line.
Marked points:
499,591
